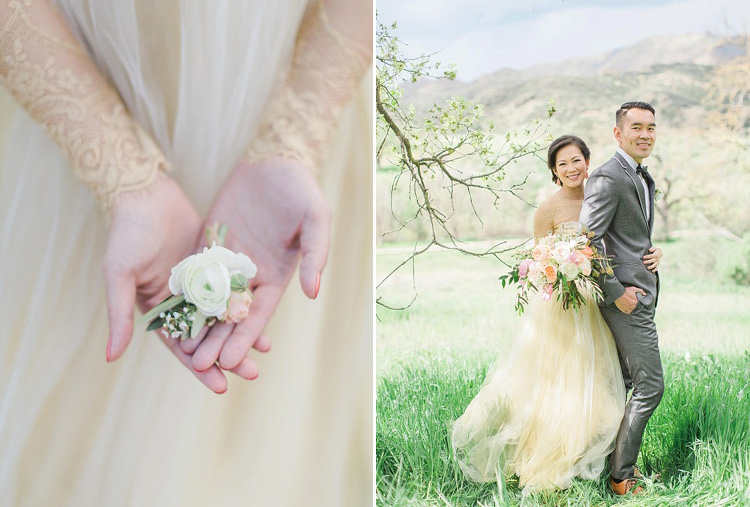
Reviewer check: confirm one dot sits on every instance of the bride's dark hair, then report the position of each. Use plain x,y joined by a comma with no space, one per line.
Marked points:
560,143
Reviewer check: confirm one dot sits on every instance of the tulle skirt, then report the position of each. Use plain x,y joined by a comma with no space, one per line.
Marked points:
551,410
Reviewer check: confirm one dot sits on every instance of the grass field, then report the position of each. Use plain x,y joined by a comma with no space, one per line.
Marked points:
433,356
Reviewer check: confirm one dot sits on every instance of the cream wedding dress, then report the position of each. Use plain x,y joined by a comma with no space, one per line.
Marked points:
75,430
551,409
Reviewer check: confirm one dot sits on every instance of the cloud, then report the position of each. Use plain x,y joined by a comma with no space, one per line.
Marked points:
482,37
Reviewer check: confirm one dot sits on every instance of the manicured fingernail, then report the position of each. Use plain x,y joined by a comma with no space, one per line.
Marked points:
317,286
109,348
221,392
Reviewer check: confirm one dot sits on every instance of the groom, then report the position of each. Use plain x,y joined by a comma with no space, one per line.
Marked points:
618,207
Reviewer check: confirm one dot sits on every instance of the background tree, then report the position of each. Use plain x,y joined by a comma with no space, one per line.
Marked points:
446,157
729,90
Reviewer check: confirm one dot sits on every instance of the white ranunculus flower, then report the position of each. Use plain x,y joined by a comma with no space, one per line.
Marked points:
205,278
175,279
206,284
570,270
235,262
561,252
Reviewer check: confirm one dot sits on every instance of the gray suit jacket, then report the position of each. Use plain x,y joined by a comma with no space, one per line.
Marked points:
614,208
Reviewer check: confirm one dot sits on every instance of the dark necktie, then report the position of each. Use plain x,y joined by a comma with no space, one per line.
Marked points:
643,173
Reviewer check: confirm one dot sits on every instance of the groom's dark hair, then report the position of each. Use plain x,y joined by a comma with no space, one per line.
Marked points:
560,143
632,105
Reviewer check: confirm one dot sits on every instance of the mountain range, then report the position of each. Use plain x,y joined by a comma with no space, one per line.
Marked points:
673,78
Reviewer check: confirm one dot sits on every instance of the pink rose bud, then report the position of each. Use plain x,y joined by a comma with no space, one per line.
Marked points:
238,306
523,268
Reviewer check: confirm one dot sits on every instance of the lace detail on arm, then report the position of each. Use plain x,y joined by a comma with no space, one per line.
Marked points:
52,78
301,119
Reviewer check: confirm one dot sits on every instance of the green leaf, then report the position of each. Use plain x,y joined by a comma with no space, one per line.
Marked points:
155,324
198,323
167,304
222,234
239,282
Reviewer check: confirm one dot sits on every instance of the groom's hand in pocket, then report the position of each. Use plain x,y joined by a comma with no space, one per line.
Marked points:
278,217
628,301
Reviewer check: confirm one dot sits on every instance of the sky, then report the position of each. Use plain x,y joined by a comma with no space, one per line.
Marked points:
482,36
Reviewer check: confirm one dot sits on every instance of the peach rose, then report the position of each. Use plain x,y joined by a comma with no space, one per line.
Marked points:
535,273
551,273
540,253
587,251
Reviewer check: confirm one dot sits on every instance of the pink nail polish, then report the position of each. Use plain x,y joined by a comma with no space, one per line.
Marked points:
109,349
317,286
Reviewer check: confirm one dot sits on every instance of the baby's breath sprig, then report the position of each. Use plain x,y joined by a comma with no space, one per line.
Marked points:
178,321
182,321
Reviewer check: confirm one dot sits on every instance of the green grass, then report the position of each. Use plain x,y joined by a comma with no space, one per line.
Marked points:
697,439
433,356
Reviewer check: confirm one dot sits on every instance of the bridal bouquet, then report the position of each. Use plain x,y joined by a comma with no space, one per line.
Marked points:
563,264
207,287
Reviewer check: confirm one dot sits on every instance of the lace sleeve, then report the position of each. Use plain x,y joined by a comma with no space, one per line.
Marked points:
49,74
326,67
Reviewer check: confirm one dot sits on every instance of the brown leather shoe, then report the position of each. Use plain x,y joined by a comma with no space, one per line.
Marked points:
625,487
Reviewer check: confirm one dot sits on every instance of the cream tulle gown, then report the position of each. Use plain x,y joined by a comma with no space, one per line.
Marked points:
143,431
551,409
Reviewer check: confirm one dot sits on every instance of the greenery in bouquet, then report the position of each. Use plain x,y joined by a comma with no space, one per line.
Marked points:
564,265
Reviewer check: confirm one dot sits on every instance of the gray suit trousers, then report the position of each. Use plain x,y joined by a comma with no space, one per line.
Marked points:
638,348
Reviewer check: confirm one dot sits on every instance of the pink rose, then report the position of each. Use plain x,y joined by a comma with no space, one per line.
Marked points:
238,307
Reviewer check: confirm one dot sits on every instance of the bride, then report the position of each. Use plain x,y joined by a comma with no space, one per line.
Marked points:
551,411
153,106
